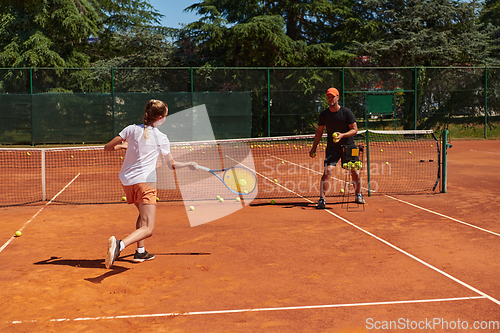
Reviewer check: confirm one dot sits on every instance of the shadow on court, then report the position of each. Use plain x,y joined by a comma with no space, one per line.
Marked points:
86,263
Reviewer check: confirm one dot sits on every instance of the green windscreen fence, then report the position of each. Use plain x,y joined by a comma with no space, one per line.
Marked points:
91,105
379,105
96,118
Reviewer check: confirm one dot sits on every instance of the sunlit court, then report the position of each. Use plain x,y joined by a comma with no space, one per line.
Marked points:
423,260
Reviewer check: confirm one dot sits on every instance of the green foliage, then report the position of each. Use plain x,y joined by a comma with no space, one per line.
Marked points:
426,33
284,33
40,33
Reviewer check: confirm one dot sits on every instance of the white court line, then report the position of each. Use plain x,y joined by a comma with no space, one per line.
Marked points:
31,219
442,215
409,255
416,259
488,152
405,202
307,307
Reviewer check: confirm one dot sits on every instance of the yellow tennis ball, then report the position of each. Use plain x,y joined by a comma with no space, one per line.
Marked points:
387,163
18,233
238,199
221,200
28,153
124,198
157,199
191,208
381,150
243,182
218,197
410,152
273,202
341,190
335,135
275,180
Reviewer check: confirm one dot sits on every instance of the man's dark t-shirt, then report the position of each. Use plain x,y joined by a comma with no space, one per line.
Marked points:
337,122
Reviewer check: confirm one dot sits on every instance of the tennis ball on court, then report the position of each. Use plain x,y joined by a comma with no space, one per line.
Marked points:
238,199
275,180
409,152
157,199
381,150
245,191
124,198
191,208
121,157
283,162
28,153
341,190
221,200
18,233
273,202
243,182
71,156
218,197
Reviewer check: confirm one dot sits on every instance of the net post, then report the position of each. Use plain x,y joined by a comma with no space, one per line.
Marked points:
444,174
42,161
31,108
368,162
268,102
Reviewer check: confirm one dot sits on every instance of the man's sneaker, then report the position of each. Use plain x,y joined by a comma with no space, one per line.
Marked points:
359,199
113,251
140,257
321,203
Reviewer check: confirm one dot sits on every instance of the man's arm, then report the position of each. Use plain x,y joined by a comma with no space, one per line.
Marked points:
352,132
317,139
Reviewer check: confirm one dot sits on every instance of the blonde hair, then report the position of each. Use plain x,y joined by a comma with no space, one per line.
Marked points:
153,110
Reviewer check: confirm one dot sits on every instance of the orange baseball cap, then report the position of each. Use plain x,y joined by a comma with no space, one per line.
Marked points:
332,91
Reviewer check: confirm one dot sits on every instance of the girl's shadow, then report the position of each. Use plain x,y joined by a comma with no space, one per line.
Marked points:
85,263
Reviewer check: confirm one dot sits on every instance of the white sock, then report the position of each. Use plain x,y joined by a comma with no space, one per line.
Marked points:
122,246
141,249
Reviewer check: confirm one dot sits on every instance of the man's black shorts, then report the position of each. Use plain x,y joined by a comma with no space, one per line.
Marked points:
332,156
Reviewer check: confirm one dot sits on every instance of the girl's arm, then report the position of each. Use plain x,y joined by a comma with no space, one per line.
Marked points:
116,144
179,165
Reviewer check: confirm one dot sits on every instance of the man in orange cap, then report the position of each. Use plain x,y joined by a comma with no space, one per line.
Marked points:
341,127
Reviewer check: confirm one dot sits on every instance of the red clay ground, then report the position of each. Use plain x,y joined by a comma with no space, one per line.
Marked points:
265,257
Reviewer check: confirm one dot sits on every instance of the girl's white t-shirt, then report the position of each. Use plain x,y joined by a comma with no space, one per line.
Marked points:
139,165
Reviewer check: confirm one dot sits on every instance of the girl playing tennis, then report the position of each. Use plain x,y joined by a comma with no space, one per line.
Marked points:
144,143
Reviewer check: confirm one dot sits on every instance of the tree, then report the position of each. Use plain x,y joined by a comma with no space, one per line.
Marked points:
37,33
120,20
426,33
275,33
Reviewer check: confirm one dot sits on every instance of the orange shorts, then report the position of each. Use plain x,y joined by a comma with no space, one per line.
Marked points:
140,193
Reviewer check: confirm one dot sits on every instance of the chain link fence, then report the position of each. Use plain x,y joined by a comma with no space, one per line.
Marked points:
92,105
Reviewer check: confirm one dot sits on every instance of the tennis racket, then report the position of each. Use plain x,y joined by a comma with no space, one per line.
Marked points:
237,179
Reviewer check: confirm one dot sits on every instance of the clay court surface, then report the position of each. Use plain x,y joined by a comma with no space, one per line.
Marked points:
426,260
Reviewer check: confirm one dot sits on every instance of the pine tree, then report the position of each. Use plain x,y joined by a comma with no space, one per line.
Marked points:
38,33
274,33
426,33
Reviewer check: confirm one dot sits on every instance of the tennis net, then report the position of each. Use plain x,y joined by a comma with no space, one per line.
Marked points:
393,162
